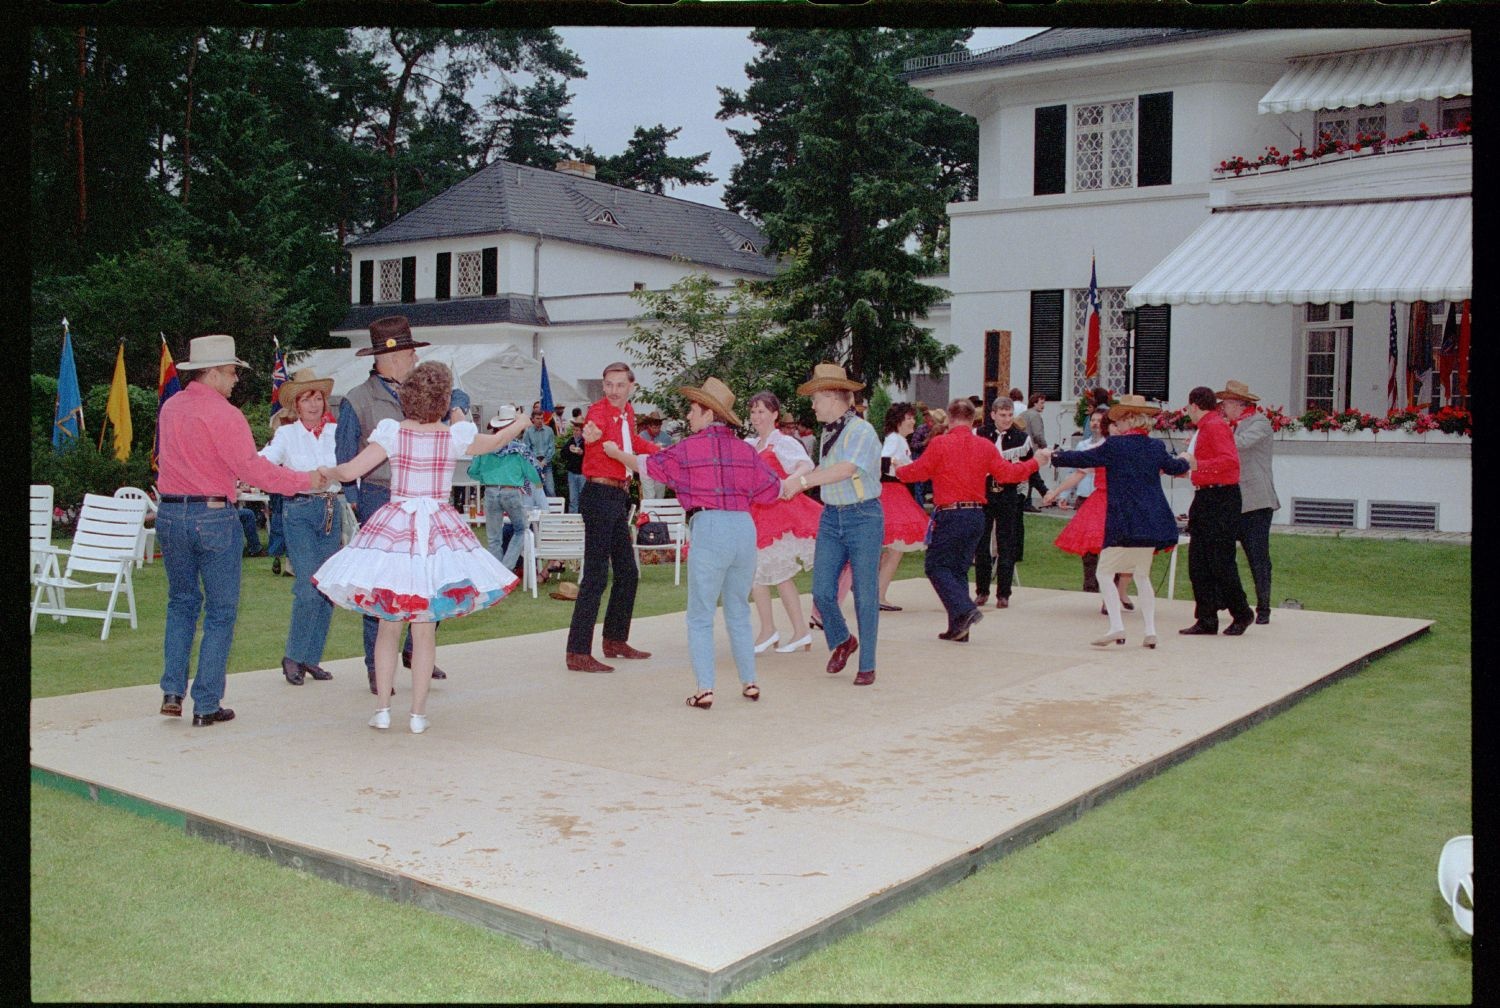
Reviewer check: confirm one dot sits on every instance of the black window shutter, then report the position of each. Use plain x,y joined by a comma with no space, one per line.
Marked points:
367,281
1153,138
1153,350
444,275
489,268
408,279
1045,374
1050,151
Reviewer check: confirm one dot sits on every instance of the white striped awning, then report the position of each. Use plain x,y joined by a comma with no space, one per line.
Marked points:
1372,76
1413,249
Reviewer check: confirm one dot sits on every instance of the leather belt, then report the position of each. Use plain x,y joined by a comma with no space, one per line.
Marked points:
326,493
960,504
610,481
192,499
1215,486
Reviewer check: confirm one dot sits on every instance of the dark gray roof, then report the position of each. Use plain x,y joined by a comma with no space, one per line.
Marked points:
519,309
1056,43
508,197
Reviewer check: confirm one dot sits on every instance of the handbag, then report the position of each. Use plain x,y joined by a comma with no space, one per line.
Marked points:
652,533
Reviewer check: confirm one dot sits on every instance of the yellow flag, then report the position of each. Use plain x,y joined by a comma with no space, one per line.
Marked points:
118,410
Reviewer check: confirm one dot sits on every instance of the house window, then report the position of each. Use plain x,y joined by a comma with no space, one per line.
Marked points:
390,280
1348,124
470,273
1104,145
1453,112
1114,345
1044,371
1327,312
638,285
1326,360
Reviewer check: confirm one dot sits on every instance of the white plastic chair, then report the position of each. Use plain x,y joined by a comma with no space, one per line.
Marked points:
557,537
555,505
107,542
669,510
1456,880
148,532
43,553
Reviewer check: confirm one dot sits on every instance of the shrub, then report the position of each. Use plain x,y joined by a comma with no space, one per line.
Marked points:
81,468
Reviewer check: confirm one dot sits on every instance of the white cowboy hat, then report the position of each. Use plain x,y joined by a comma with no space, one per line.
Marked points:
211,351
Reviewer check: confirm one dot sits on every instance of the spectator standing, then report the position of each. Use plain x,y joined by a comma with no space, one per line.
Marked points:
573,459
650,429
542,440
1036,429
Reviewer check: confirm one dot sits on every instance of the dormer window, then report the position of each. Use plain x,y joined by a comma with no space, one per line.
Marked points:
604,217
748,246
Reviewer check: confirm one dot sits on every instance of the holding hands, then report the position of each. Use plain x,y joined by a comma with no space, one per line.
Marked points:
1043,457
790,487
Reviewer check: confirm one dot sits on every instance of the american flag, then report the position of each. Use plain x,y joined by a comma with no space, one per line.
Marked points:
1390,383
278,374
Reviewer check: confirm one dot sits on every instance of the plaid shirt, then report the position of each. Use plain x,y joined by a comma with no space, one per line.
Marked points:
715,469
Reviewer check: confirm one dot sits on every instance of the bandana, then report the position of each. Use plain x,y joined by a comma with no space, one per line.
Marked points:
832,431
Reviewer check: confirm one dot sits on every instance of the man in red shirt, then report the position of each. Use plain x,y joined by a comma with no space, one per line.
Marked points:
957,462
1214,520
605,506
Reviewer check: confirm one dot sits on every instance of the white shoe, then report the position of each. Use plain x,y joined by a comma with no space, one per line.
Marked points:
804,643
418,723
382,718
763,645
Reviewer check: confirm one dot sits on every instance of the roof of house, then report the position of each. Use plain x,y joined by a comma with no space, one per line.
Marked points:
1056,43
508,197
517,308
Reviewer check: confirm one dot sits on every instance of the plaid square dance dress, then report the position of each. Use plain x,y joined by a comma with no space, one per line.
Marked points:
416,558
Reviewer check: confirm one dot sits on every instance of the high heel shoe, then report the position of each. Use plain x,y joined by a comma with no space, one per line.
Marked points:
1110,638
703,701
815,623
766,644
1150,641
803,643
750,692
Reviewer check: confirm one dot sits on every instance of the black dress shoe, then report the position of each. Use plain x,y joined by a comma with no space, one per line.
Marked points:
1199,628
966,620
318,672
171,704
276,565
292,670
1239,625
222,714
1262,618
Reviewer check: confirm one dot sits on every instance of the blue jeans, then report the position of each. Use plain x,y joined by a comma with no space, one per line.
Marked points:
201,547
250,524
576,480
275,539
309,547
849,534
372,498
512,502
955,534
721,564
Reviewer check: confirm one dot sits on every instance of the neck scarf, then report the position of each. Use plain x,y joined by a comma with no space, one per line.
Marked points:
832,431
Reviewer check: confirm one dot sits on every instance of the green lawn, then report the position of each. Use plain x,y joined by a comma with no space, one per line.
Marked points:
1295,862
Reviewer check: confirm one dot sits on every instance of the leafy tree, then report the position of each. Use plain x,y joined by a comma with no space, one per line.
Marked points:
645,165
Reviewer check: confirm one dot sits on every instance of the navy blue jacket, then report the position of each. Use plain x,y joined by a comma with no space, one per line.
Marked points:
1136,512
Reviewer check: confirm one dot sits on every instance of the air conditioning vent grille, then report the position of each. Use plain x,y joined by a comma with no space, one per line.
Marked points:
1415,515
1337,513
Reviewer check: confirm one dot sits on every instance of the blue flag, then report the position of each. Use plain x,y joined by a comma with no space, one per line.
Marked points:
67,421
546,397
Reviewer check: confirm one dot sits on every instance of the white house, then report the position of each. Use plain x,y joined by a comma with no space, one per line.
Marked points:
542,260
1104,143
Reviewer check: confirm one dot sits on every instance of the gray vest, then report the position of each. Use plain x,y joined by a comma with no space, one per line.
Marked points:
372,402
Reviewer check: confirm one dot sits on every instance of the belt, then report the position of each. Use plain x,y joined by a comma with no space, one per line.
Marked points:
326,493
192,499
688,514
1215,486
960,504
610,481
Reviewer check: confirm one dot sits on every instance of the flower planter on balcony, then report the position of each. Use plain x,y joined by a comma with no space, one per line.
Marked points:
1400,437
1303,435
1354,435
1442,437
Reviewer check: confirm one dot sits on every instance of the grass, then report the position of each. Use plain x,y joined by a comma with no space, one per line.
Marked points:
1295,862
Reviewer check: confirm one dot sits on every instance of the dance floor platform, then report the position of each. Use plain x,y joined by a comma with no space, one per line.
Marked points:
598,817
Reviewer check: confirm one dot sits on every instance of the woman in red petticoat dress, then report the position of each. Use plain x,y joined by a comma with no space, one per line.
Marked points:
1084,533
416,561
786,531
905,520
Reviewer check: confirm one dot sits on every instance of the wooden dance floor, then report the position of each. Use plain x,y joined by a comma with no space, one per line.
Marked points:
599,817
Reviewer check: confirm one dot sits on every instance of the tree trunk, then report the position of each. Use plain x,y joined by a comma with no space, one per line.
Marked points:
81,220
187,122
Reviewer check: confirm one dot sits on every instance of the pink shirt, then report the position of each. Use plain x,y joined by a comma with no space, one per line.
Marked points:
206,446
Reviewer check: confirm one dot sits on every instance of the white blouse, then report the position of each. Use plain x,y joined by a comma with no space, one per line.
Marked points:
790,451
897,449
294,446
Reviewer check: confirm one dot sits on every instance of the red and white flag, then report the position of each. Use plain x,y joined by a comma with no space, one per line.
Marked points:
1091,348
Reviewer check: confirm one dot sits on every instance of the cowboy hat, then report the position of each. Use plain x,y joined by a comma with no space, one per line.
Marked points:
389,334
504,416
304,380
211,351
653,417
715,396
828,376
1237,390
567,591
1132,405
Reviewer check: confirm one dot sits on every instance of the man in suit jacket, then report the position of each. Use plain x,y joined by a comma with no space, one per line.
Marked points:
1252,437
1002,509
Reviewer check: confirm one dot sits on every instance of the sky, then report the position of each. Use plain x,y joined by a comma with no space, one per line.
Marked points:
644,76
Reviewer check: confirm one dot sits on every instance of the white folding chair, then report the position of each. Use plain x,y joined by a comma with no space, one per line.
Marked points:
669,510
106,543
43,554
148,532
1456,880
557,537
555,505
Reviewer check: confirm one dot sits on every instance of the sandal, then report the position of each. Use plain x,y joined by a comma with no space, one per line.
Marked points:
704,700
750,692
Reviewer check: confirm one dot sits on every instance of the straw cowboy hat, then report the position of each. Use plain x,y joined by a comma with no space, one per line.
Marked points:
653,417
1132,405
211,351
715,396
304,380
389,334
828,376
567,591
1237,390
504,416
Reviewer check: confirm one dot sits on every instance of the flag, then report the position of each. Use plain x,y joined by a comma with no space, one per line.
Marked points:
1447,352
1390,353
546,395
67,417
117,411
1463,355
1418,351
278,374
167,386
1091,348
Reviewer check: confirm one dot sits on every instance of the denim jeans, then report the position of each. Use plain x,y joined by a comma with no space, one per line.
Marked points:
721,565
372,498
309,547
955,534
250,524
275,538
851,534
201,548
512,502
576,481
